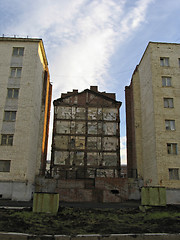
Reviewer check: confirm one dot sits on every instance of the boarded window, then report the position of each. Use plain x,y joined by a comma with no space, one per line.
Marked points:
174,173
5,165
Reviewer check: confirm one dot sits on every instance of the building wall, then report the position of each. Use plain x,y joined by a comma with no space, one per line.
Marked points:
163,136
24,154
148,124
86,190
149,115
138,124
86,135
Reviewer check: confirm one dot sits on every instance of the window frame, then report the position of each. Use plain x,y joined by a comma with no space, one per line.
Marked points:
7,139
166,80
19,51
11,93
7,167
9,116
170,125
167,103
173,175
16,72
172,149
164,61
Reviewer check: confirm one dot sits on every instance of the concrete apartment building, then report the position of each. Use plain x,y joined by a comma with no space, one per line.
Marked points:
153,119
25,96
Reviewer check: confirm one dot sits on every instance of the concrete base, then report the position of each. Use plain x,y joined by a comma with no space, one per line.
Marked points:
17,191
173,196
134,189
86,190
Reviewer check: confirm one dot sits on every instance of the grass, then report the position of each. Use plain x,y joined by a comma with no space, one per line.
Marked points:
73,221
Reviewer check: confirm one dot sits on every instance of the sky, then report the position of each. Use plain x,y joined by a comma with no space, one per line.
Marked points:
92,42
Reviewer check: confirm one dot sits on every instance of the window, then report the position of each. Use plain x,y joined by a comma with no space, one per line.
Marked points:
10,116
13,93
16,72
164,62
166,81
168,103
5,165
172,148
18,51
179,62
7,139
173,173
170,124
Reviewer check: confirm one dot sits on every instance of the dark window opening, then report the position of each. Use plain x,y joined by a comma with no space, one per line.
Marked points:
114,191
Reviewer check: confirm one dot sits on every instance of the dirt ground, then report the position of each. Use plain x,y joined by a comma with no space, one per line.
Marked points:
76,220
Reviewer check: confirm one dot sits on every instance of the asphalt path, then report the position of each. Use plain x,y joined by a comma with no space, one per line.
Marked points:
29,204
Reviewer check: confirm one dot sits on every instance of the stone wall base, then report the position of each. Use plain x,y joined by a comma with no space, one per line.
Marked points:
86,190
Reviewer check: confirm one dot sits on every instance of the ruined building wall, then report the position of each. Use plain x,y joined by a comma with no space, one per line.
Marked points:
86,139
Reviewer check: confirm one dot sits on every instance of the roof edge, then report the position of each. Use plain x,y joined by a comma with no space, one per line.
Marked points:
20,39
89,90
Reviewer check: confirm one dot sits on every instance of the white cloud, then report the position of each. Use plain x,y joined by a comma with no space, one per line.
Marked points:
80,36
134,18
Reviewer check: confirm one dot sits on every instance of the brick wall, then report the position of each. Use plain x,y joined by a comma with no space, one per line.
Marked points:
86,190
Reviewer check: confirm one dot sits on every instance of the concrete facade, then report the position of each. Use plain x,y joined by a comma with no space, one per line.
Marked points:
25,97
86,135
153,117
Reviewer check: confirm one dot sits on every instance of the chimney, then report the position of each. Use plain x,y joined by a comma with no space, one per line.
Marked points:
94,88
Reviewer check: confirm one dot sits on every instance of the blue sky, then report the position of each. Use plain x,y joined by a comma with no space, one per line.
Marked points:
93,42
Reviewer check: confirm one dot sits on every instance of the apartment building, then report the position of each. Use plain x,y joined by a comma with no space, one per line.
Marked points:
25,96
86,135
153,119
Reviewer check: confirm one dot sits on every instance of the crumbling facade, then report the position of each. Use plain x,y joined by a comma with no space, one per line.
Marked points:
152,115
86,135
25,97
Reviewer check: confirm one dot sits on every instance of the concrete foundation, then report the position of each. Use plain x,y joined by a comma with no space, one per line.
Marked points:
86,190
17,191
134,189
173,196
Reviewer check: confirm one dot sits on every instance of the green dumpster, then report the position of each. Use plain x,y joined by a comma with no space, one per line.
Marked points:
46,202
153,196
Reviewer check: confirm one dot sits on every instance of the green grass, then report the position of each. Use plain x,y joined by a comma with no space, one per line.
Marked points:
72,221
